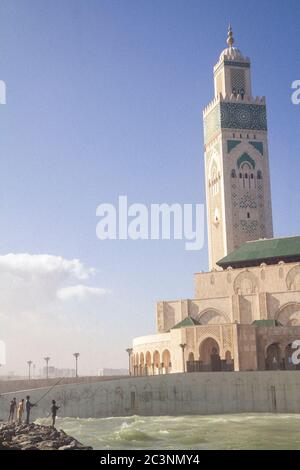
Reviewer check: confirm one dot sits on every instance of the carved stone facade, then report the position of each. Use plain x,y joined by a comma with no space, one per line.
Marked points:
225,306
242,318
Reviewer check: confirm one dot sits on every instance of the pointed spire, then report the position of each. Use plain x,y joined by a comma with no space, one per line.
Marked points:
230,38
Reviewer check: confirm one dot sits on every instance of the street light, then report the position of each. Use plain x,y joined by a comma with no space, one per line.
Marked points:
76,355
183,346
129,351
47,359
29,369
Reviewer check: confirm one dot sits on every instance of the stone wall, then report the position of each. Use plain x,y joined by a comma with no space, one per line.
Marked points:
173,394
242,295
21,384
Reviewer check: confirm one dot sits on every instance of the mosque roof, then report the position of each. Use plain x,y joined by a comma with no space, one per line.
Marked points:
231,52
188,321
269,251
262,323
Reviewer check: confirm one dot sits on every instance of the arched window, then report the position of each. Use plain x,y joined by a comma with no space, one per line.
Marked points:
259,175
233,174
245,169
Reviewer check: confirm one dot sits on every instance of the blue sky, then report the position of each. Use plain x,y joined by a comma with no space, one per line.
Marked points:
105,97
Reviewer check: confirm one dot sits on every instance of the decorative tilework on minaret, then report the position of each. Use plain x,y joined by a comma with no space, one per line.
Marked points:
238,195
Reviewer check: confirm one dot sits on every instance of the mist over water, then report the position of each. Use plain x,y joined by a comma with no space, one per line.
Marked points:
236,431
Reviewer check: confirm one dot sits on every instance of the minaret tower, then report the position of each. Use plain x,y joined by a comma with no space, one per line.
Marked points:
238,195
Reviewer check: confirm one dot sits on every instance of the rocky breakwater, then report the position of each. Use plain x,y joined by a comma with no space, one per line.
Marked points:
35,437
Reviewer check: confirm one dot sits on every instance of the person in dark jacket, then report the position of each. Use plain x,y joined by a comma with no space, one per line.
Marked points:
28,406
54,409
12,409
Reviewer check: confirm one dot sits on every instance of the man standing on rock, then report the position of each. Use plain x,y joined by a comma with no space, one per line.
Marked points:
28,407
54,409
12,409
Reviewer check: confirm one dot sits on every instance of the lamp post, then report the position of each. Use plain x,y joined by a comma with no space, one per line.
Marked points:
29,369
76,355
129,351
183,346
47,359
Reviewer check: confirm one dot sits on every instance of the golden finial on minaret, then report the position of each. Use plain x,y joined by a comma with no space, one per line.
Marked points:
230,39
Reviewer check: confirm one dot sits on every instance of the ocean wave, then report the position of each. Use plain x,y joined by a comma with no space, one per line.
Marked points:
134,435
240,431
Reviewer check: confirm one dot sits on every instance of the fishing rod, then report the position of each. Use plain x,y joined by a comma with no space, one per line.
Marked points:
48,391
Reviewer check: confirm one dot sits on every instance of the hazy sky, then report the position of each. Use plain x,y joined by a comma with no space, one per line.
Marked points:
105,97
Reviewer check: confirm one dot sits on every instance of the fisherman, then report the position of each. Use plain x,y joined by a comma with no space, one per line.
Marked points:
20,411
12,409
28,406
54,409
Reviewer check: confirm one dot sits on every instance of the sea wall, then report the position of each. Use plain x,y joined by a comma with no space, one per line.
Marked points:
12,385
172,394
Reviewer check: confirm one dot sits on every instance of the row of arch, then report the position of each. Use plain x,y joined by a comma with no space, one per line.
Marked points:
151,363
247,282
288,314
279,356
208,358
247,178
205,358
246,173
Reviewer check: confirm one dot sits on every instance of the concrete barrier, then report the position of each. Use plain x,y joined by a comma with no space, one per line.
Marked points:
13,385
173,394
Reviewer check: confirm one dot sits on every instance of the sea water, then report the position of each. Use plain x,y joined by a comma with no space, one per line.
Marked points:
236,431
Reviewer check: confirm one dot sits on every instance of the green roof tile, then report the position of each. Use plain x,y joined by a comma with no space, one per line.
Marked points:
188,321
268,251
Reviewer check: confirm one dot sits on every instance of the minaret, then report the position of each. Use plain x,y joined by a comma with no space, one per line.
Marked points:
238,195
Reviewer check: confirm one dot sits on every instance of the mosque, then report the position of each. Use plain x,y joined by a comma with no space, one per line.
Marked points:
246,310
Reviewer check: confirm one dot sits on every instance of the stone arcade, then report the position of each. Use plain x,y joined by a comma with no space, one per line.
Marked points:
246,310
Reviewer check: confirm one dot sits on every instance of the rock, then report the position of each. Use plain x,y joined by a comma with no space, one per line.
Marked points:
70,446
54,435
75,446
21,438
9,446
36,437
29,447
47,445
